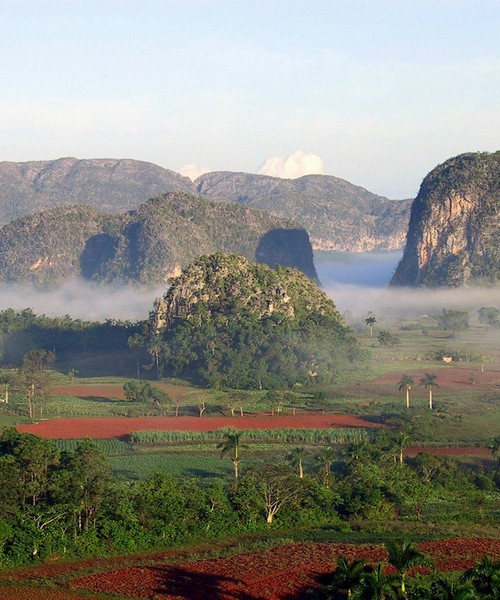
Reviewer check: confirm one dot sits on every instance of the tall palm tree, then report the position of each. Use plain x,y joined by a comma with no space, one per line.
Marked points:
429,382
231,444
401,441
405,384
348,574
325,458
376,585
370,321
296,457
403,556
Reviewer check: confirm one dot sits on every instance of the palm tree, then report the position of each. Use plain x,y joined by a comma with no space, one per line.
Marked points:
376,585
296,457
495,448
348,574
429,382
403,557
325,458
485,577
401,441
370,321
446,589
357,451
231,444
405,384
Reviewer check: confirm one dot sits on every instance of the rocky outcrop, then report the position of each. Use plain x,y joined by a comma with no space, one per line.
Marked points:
146,246
454,232
337,214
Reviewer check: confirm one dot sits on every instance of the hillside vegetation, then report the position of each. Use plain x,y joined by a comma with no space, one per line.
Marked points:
145,246
231,323
337,214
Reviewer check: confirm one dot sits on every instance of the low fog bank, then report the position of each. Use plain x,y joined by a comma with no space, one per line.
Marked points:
391,303
372,269
83,300
358,283
346,282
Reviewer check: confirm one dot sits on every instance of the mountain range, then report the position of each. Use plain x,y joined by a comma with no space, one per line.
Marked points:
337,214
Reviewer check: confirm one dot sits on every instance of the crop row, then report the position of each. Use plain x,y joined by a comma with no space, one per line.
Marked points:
295,436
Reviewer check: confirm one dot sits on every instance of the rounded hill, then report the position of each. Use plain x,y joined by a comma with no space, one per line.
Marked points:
233,323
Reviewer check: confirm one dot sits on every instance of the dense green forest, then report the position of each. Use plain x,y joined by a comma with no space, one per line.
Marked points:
68,503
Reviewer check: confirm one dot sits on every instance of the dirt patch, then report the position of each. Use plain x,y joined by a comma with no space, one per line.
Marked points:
118,427
272,574
114,390
450,378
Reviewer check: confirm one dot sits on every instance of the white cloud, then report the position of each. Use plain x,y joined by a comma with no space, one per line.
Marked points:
296,165
193,171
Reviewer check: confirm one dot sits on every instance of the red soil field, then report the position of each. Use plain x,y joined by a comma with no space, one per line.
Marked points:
113,390
273,574
117,427
449,377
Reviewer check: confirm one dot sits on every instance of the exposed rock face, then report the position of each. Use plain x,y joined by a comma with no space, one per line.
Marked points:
110,185
454,233
146,246
337,214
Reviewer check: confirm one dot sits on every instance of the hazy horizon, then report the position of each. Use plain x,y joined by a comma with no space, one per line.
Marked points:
377,93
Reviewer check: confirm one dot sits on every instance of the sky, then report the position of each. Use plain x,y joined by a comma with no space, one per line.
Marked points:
377,92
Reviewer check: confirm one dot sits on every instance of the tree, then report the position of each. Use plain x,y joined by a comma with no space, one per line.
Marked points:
485,577
325,458
296,458
348,575
495,448
34,376
488,315
429,382
277,487
401,441
376,585
456,320
370,321
83,482
386,338
231,444
403,557
446,589
405,384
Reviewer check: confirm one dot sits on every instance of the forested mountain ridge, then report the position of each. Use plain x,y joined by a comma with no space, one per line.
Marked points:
110,185
337,214
146,246
454,231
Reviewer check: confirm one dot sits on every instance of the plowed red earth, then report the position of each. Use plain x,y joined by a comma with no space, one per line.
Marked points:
273,574
449,377
117,427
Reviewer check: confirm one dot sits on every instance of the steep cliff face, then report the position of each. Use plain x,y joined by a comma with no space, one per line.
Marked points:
145,246
454,232
337,214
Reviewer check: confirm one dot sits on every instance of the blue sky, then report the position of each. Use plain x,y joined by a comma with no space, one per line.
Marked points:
374,91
